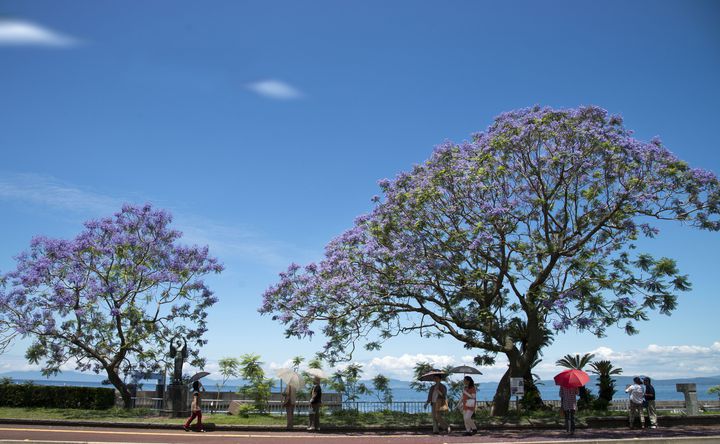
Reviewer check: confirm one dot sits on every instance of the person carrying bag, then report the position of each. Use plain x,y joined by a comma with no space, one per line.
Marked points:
437,398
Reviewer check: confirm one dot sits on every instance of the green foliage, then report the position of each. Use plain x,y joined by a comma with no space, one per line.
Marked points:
315,363
30,395
586,399
347,383
606,384
601,404
244,410
715,389
258,387
381,384
420,369
297,361
576,362
229,368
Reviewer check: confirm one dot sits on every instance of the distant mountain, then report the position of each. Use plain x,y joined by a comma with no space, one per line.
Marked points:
64,376
622,381
210,384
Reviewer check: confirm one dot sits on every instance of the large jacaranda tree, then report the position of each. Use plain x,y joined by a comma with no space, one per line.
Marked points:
499,242
111,299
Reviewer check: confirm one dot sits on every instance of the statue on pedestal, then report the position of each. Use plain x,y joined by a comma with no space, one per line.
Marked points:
177,391
179,351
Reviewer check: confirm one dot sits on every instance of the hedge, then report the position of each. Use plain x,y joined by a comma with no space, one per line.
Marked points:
29,395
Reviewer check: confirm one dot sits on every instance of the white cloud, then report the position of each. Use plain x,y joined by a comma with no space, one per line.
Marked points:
401,367
23,33
275,89
657,361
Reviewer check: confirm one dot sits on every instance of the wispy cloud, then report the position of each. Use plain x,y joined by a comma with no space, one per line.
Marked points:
49,192
228,241
15,32
236,240
275,89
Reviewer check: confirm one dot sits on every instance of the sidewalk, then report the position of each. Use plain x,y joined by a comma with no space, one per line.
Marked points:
591,423
25,434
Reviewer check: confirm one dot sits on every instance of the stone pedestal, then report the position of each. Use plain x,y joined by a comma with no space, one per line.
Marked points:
691,402
177,401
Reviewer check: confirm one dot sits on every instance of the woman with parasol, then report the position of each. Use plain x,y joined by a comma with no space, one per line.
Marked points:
569,382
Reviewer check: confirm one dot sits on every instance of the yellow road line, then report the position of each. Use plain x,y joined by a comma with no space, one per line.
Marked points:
198,435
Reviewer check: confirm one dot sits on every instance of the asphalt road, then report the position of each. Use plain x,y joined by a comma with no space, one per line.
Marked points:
58,434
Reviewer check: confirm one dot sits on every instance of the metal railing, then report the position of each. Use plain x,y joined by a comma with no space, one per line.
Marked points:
148,403
302,407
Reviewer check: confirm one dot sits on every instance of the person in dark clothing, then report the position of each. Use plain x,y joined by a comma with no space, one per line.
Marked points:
315,403
649,402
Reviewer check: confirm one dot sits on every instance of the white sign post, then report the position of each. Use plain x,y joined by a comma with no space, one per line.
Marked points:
517,388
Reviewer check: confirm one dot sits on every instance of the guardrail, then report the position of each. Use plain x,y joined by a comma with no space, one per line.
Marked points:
302,407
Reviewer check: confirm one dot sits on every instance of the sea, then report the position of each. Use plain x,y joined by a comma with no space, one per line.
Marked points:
401,390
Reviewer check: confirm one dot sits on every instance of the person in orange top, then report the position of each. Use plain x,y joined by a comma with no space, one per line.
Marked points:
469,401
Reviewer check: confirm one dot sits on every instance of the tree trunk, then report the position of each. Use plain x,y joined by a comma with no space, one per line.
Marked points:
121,387
519,366
501,400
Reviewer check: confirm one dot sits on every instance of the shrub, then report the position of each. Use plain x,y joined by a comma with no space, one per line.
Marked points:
30,395
600,404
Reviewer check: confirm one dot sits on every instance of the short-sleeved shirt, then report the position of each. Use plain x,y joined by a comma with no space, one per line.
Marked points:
568,398
637,393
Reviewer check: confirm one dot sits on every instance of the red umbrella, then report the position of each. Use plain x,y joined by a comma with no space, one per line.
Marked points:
571,378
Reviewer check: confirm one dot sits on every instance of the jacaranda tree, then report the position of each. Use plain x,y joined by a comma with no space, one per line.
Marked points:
526,230
111,299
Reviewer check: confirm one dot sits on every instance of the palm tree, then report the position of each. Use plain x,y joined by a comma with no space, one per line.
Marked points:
577,362
606,384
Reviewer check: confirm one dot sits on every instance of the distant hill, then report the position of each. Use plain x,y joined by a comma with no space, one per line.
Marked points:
210,383
64,376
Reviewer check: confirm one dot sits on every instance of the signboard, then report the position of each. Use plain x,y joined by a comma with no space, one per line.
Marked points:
516,387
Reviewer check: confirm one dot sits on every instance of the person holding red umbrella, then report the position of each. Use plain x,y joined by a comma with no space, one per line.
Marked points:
569,382
568,402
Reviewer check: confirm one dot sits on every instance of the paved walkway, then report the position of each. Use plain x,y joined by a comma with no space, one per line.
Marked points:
10,433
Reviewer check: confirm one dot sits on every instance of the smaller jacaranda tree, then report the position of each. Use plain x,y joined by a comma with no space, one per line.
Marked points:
111,299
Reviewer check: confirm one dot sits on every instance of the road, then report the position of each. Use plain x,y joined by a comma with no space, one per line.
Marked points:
64,434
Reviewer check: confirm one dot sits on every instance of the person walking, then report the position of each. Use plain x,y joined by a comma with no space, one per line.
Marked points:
636,390
315,403
650,402
568,403
469,402
195,409
437,399
289,400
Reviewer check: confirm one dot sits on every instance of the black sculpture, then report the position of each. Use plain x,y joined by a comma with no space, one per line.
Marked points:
179,351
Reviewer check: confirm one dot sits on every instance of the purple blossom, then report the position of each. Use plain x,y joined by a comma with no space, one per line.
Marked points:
130,262
530,188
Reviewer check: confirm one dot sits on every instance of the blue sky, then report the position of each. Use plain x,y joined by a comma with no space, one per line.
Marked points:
264,127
